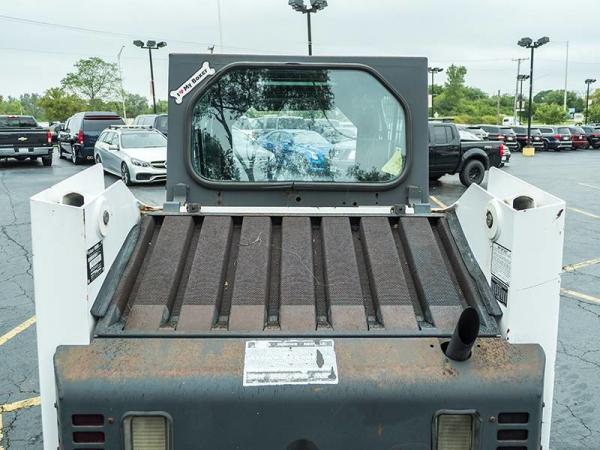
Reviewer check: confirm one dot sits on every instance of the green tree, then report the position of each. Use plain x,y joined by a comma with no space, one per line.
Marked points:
31,106
594,113
162,106
454,90
550,113
557,97
93,79
59,105
10,105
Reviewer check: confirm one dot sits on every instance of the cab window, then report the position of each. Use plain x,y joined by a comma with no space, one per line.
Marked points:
279,124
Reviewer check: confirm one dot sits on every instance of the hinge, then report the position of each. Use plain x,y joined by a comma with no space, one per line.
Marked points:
414,204
180,198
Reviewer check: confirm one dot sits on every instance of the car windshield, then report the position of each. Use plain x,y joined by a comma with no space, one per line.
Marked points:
142,139
17,122
467,136
161,123
318,107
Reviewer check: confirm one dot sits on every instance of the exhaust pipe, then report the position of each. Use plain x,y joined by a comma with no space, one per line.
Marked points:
464,337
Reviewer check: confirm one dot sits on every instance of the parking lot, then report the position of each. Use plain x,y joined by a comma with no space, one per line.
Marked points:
572,176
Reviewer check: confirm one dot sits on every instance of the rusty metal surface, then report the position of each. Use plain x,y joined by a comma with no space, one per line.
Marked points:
194,274
389,390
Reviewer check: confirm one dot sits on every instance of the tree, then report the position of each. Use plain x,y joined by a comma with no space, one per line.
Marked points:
550,113
59,105
31,107
94,79
557,97
594,113
454,90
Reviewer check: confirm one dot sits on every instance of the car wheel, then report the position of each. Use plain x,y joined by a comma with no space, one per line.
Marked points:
545,146
125,176
60,152
98,159
74,157
472,172
47,160
519,147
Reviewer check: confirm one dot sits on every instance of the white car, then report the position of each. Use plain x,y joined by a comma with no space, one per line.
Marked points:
136,154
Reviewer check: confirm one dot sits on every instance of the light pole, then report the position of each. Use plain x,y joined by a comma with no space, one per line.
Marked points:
301,6
151,45
529,43
587,97
520,80
121,82
433,71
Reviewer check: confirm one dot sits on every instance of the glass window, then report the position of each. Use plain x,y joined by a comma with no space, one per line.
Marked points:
141,139
162,124
337,125
99,124
17,122
442,134
563,130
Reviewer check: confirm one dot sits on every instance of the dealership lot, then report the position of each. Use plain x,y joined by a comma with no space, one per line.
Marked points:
572,176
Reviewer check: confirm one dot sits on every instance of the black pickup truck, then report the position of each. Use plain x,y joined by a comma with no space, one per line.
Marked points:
449,155
21,137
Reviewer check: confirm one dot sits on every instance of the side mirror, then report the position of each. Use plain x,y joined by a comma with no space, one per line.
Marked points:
113,147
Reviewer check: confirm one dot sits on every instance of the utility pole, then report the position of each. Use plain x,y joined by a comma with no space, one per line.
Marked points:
498,109
518,60
121,81
521,78
433,71
220,25
566,75
587,97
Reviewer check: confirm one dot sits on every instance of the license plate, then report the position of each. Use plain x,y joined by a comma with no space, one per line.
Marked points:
22,150
536,138
509,139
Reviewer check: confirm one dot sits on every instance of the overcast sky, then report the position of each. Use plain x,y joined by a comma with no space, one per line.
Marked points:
479,34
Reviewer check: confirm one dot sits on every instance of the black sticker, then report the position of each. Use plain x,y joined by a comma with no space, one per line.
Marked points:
500,290
95,261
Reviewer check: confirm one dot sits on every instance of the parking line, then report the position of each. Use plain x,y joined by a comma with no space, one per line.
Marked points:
438,202
580,265
16,330
589,185
585,213
580,296
15,406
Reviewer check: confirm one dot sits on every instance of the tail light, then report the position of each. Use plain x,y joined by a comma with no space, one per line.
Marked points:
501,150
557,136
80,137
49,136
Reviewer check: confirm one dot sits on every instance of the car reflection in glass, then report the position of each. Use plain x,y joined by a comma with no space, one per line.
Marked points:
302,149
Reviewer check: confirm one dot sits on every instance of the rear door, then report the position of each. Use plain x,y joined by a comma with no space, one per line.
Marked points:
444,148
112,156
94,125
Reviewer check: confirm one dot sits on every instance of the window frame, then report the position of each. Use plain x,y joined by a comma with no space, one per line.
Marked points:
297,185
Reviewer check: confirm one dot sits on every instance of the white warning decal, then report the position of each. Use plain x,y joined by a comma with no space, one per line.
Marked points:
190,84
501,262
290,361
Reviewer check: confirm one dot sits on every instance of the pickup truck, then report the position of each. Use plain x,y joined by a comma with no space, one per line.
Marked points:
449,155
21,137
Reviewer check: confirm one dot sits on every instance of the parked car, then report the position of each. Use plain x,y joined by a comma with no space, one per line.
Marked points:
578,138
136,154
593,135
55,128
466,136
521,135
556,138
158,121
21,137
81,133
477,131
509,137
305,149
470,159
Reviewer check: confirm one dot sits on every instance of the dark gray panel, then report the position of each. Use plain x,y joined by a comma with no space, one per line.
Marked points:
407,76
389,287
344,293
251,285
432,280
161,278
202,298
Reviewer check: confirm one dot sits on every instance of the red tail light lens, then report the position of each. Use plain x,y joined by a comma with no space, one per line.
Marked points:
49,137
557,136
501,150
80,137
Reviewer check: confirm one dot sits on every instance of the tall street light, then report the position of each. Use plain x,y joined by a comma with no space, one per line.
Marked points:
433,71
151,45
312,7
587,97
529,43
121,82
520,80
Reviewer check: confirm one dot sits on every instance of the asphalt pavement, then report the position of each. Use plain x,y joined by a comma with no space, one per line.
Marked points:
572,176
